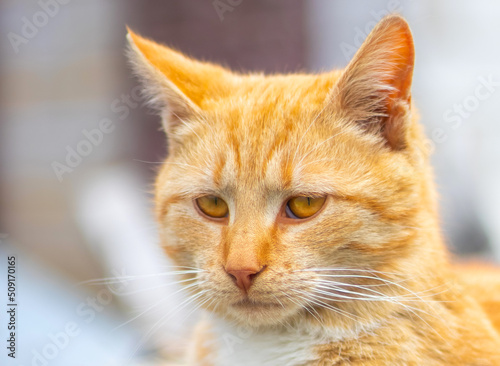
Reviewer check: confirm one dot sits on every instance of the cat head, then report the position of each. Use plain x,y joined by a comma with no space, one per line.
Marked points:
287,196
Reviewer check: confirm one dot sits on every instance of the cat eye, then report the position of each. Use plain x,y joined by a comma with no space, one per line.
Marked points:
303,207
212,206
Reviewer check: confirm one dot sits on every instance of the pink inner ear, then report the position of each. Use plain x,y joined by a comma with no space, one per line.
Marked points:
402,67
401,62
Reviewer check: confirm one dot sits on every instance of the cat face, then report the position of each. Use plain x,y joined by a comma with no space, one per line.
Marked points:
290,195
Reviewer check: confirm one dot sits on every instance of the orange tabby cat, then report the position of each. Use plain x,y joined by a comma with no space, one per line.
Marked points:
304,210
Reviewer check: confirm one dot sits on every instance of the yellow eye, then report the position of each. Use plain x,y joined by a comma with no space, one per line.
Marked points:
213,206
303,207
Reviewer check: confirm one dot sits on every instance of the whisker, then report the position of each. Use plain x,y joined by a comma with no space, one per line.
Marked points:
347,270
378,298
315,300
145,289
185,165
304,307
167,316
120,279
198,306
148,162
396,284
367,298
332,286
407,297
338,286
156,304
277,299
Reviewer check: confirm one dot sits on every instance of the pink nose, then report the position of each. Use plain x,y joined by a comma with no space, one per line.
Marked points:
244,277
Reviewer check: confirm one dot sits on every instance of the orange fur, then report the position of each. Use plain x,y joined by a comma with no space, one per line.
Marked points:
352,135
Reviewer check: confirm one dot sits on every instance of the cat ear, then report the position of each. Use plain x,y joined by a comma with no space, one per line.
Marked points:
375,87
175,84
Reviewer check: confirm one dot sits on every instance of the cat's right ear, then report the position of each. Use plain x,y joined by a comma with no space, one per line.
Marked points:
175,84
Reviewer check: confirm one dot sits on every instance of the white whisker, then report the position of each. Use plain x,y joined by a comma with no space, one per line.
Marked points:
145,289
156,304
121,279
317,301
167,316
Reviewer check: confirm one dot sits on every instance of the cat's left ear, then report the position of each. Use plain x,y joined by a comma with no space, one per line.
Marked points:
375,87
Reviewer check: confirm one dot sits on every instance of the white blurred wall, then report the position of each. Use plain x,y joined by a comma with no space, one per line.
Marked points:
62,74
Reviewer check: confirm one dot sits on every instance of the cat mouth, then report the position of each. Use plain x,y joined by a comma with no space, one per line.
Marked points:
250,304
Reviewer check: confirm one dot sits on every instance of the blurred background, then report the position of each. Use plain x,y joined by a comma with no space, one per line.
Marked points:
78,150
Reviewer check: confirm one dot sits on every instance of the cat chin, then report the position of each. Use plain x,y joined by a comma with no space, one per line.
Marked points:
259,314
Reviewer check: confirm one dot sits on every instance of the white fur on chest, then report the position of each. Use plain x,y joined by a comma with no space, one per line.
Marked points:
276,347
